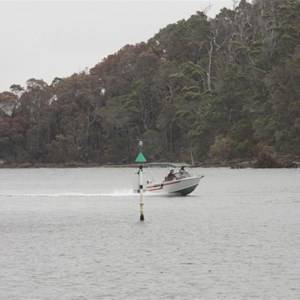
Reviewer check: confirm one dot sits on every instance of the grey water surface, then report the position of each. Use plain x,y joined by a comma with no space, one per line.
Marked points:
75,234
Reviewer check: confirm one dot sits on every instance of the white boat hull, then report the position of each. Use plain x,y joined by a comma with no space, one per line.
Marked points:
181,186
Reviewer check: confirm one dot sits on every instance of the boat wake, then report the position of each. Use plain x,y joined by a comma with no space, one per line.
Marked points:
116,193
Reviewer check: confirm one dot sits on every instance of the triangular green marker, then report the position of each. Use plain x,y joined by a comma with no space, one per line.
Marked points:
140,158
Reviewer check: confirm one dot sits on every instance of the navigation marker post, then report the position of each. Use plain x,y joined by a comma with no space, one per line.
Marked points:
141,159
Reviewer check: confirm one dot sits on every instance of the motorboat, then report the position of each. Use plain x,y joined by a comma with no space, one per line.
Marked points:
179,185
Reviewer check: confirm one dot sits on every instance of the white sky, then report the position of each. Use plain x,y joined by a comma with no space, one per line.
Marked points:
48,39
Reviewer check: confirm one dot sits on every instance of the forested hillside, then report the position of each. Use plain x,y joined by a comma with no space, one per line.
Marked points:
223,88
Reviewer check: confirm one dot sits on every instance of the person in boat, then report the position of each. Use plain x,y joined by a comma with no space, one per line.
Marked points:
170,176
183,173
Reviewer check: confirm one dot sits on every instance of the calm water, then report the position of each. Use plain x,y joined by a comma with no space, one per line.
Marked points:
75,234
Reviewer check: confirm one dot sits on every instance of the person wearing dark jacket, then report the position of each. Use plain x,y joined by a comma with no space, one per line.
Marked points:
170,176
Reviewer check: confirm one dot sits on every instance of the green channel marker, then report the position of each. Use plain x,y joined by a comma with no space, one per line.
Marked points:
140,158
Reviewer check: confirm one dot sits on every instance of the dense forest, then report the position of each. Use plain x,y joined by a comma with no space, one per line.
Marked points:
226,88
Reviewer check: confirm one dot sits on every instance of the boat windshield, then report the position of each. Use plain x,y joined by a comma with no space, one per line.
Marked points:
182,175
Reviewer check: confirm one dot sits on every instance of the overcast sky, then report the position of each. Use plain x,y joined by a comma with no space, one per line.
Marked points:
48,39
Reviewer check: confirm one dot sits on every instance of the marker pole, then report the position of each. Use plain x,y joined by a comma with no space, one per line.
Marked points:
141,159
141,190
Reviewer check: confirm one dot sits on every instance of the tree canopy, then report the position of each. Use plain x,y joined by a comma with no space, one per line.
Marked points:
222,88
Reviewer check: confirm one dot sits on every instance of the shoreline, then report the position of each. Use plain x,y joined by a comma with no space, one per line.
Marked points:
279,163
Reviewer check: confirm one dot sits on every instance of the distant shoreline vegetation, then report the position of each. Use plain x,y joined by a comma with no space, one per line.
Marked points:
283,162
205,90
